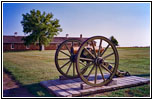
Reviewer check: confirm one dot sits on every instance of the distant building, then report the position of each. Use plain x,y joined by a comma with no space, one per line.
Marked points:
15,43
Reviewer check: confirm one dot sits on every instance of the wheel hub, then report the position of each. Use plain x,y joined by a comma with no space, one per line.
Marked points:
72,58
98,61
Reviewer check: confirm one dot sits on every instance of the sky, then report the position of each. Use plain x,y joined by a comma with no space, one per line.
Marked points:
129,23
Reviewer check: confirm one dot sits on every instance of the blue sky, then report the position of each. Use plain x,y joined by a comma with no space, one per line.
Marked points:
129,23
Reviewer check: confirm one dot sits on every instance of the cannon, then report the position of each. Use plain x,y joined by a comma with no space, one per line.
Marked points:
95,60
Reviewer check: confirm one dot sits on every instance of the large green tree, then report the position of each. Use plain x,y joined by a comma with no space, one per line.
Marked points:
39,28
115,42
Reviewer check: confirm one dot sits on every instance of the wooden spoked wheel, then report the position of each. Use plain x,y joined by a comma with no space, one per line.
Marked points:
65,58
102,60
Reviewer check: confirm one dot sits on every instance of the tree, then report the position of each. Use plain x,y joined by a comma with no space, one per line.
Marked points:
115,42
39,28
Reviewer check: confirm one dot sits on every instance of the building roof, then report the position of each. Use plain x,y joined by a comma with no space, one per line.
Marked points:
18,39
13,39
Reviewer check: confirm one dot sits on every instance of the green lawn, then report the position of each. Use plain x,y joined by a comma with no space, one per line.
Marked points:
31,67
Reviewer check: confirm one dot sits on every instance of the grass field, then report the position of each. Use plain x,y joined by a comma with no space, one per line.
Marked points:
31,67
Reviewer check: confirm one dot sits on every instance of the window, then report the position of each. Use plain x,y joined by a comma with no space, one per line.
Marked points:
27,46
12,46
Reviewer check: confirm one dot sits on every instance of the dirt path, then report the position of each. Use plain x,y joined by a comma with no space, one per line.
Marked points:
12,89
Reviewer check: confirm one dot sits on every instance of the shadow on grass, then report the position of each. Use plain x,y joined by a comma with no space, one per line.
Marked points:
38,91
32,90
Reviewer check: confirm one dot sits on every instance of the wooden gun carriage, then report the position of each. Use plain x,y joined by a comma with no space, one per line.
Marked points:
96,57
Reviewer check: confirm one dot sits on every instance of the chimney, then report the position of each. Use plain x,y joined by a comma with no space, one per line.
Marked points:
67,35
80,36
15,34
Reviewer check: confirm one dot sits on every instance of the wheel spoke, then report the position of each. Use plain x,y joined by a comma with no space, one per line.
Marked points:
102,75
86,59
79,44
93,48
99,47
104,50
82,63
110,62
65,64
90,72
72,48
108,55
106,69
63,58
65,53
68,68
96,75
72,44
67,48
73,69
89,52
86,67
